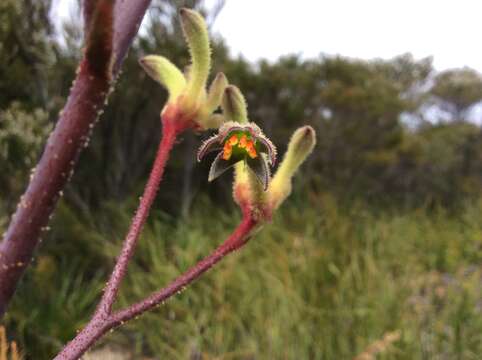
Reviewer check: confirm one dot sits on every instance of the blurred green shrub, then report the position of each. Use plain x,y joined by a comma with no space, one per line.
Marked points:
323,285
22,135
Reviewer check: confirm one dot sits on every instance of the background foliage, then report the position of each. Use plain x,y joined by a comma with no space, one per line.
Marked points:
388,238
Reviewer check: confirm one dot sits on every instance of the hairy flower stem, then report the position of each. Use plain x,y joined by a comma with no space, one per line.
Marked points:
102,323
107,43
170,132
235,241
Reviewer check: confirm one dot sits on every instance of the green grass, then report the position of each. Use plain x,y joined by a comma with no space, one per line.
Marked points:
319,282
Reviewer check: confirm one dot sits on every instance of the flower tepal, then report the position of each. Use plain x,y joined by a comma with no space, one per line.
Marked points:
237,142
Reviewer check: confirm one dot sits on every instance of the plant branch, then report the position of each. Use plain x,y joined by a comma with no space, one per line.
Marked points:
173,123
235,241
169,134
111,31
100,324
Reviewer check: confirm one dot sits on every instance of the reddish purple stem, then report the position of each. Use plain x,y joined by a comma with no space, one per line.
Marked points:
86,99
169,135
52,172
103,321
237,239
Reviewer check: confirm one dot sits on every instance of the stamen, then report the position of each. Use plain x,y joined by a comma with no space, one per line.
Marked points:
251,149
233,140
227,151
243,141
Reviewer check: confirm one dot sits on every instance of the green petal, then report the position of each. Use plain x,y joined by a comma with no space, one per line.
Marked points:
220,165
208,145
260,168
267,147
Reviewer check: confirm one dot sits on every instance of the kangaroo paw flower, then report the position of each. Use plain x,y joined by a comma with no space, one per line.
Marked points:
189,99
242,144
237,142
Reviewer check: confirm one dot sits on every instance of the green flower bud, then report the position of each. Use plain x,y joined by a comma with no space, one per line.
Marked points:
215,93
234,106
301,145
212,101
196,34
213,121
188,99
165,73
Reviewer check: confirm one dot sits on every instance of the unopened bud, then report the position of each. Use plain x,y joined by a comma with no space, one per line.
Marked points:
215,93
213,121
196,33
164,72
301,145
234,106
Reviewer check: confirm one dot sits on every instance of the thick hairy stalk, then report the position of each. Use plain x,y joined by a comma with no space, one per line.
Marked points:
110,31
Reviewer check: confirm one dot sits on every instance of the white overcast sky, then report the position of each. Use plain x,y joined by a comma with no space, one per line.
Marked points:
448,30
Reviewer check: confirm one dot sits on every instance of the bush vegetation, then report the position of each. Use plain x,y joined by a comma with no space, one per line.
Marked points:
382,239
322,285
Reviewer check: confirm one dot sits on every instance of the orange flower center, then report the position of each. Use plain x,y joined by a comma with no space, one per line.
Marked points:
240,143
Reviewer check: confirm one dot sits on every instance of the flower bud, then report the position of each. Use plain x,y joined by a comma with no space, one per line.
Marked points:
213,121
164,72
188,101
234,106
301,145
196,34
215,93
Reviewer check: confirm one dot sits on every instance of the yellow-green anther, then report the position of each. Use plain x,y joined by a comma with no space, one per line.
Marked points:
165,73
301,145
234,106
196,33
216,91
